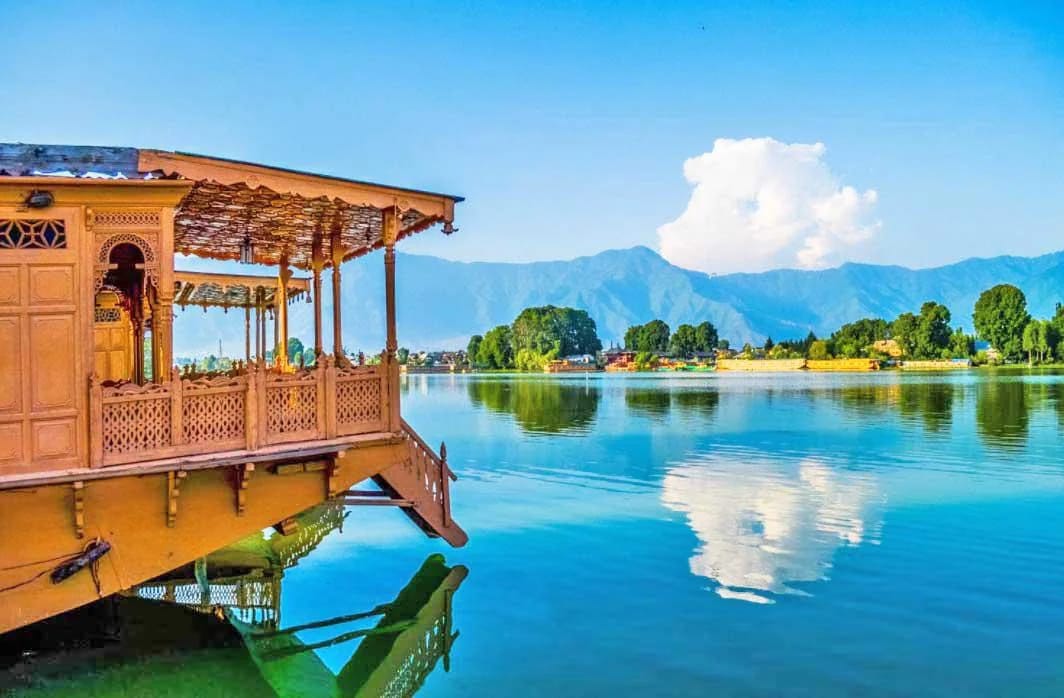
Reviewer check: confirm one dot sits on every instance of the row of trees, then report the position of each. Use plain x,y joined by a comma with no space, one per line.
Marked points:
536,336
1000,317
655,337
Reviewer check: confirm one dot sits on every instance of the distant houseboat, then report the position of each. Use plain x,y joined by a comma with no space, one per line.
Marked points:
582,363
114,467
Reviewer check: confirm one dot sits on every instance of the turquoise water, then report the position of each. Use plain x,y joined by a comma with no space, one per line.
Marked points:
738,535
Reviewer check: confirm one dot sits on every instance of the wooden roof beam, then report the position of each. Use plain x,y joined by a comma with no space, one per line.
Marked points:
310,186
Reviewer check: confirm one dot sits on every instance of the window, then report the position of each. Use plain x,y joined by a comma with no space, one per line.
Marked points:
32,234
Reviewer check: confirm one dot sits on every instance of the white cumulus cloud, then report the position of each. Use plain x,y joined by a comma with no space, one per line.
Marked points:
760,204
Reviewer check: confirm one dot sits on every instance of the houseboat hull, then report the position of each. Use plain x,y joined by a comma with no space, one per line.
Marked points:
152,529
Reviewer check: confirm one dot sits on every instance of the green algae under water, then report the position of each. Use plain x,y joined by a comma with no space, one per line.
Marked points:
748,535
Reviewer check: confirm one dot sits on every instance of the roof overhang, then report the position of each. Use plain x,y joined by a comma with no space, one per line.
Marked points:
284,214
212,290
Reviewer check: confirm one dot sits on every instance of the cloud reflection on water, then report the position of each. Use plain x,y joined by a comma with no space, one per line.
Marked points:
768,524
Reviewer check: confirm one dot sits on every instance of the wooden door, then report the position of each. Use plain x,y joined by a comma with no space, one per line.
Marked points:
41,396
112,340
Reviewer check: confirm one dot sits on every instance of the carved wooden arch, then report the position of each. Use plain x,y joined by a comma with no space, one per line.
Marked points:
151,262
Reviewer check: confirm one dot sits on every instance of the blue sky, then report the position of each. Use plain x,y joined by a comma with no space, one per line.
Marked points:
567,126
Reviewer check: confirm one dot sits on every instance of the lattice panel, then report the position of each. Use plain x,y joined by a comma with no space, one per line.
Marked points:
213,417
107,315
32,234
358,401
126,219
136,425
291,408
420,662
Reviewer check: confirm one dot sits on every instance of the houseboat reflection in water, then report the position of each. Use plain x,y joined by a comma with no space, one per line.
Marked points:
215,628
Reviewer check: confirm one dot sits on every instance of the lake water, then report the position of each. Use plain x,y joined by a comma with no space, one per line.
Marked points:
713,534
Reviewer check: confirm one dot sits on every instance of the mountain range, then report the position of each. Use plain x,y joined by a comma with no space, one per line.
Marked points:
440,303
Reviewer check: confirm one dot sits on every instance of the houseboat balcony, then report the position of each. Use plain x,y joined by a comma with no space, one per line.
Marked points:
249,409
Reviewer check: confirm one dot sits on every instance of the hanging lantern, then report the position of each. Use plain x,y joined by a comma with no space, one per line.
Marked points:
247,251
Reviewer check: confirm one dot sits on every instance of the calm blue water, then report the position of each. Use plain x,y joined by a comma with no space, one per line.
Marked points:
800,534
735,535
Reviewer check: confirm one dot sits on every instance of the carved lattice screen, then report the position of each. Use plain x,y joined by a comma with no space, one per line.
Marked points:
137,424
358,401
213,414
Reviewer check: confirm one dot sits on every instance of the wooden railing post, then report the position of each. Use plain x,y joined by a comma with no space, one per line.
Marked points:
95,421
177,430
386,397
251,409
329,386
394,415
321,402
261,397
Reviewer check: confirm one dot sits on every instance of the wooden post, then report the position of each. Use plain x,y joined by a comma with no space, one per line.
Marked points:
260,327
390,233
317,264
251,407
330,396
321,380
281,303
247,333
138,350
177,427
336,248
95,421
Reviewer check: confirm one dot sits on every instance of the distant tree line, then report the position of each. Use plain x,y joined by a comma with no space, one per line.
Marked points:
536,336
1000,317
655,337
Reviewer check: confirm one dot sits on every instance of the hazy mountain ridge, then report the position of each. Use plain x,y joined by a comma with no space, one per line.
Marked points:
441,303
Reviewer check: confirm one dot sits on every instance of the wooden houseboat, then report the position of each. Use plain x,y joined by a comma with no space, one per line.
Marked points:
114,466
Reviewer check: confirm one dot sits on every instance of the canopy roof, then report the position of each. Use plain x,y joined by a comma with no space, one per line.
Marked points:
211,290
281,212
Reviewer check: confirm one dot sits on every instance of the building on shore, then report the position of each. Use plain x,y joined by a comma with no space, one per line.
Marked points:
114,465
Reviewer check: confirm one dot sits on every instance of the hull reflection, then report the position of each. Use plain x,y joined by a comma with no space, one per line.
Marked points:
215,628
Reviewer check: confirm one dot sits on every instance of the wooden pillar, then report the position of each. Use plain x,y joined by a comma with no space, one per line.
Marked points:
337,251
247,332
260,327
392,343
317,264
138,350
389,235
283,277
162,340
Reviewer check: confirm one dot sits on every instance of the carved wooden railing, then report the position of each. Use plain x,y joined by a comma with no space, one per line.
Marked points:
250,410
431,472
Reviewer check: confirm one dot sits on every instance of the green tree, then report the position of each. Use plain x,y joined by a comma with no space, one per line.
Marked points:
961,345
1000,317
473,348
402,355
1056,332
855,339
496,350
705,336
904,331
1035,340
684,341
818,350
932,331
769,344
723,345
654,336
295,350
565,331
631,337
